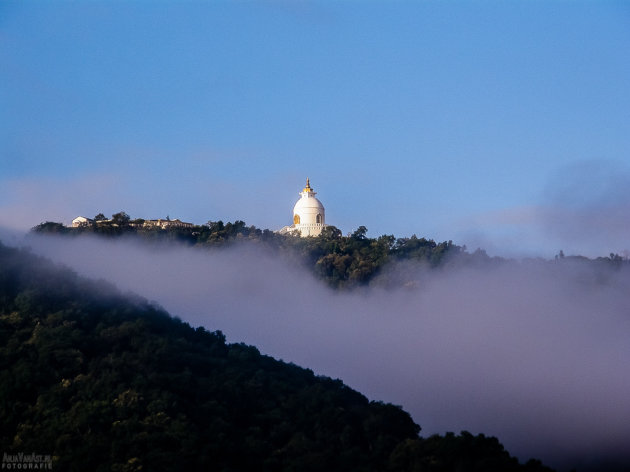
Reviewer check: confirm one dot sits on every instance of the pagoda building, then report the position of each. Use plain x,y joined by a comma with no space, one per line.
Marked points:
309,216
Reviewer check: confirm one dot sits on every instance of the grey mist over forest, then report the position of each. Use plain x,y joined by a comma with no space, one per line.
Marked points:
533,353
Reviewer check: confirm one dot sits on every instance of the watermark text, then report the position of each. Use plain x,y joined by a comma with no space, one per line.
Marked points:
21,461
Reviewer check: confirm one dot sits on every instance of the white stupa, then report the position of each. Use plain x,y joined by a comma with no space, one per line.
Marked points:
309,216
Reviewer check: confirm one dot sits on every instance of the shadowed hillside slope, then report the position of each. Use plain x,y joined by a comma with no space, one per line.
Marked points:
103,381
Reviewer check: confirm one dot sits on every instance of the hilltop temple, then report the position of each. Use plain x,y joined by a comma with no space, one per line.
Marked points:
309,216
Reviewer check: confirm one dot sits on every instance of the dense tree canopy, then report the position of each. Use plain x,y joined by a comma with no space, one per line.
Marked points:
342,261
105,382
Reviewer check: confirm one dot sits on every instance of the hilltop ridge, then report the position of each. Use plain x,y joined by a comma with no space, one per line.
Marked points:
348,261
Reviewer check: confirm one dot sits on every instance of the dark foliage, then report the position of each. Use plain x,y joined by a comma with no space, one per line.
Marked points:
106,382
463,452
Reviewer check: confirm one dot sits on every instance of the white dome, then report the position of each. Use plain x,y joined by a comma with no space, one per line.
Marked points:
308,205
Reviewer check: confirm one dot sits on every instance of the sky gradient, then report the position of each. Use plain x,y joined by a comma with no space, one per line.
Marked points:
504,125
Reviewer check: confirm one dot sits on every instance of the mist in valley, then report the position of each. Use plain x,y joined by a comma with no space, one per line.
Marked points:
533,352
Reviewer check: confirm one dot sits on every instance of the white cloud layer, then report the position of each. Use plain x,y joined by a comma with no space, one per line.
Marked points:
534,354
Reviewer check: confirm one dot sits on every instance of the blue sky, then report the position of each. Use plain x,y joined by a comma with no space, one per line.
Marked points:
504,125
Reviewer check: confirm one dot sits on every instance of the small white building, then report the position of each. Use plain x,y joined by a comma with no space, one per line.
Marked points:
309,216
164,224
81,221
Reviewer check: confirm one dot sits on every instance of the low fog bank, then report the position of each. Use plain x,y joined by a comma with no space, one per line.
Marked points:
11,237
536,354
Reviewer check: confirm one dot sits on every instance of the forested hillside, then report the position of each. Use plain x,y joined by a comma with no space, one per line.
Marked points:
342,261
103,381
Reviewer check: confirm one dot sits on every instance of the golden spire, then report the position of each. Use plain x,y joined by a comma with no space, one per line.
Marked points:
308,186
